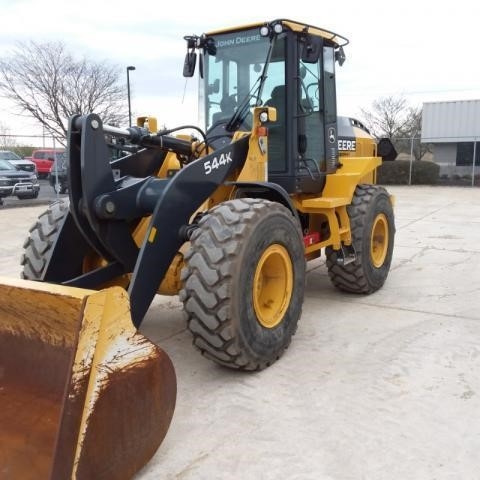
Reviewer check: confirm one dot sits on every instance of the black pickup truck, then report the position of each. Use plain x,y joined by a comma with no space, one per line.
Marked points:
17,183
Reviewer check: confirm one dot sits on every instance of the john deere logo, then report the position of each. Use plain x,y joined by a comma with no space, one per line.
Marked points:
331,135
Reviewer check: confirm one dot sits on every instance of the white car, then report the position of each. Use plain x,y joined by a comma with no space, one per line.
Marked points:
18,162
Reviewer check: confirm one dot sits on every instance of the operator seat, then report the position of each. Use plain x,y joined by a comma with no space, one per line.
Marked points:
227,109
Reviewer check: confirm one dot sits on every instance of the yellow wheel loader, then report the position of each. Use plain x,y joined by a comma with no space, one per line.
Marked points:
226,217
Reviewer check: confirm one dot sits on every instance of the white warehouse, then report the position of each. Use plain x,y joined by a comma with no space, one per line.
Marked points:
453,128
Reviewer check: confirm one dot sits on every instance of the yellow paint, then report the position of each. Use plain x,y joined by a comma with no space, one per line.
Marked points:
141,230
365,145
319,32
320,203
149,123
108,342
338,225
337,195
295,26
30,287
353,171
152,234
272,285
379,240
255,168
170,163
29,309
171,283
95,326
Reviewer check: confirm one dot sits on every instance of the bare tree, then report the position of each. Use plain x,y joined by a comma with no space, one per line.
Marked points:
391,117
7,142
387,117
45,82
410,134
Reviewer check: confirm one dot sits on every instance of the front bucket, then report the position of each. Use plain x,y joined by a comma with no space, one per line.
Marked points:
82,394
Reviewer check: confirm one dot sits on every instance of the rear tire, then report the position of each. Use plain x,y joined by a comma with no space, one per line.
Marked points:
244,281
41,239
373,231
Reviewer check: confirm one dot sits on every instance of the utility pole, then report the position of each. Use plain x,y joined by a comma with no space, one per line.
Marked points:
129,69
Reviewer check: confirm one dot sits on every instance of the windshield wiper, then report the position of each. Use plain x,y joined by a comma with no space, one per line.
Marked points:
255,92
241,113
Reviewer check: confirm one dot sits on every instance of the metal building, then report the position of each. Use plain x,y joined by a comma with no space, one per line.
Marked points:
453,129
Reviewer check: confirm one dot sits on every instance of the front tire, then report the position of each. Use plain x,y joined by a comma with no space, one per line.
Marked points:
244,280
41,239
28,197
373,230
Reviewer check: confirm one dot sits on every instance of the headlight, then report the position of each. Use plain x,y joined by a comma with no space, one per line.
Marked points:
265,31
3,181
33,178
277,28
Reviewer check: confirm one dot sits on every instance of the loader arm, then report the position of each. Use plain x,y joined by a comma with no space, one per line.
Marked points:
104,208
182,196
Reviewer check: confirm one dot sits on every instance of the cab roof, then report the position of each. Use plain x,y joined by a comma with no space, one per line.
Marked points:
336,39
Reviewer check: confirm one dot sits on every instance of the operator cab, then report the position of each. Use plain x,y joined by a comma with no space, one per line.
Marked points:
282,64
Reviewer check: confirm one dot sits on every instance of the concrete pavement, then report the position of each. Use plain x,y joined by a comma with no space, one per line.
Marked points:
385,386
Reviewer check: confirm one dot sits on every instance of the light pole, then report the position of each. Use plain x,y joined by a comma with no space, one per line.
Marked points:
129,69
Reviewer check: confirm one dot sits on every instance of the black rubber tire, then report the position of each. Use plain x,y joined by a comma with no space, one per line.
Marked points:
218,278
41,238
362,276
28,197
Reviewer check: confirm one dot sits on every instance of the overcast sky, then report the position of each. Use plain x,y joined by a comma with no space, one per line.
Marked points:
425,52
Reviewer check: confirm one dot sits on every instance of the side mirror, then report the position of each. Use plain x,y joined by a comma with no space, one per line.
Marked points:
386,150
189,64
340,56
312,48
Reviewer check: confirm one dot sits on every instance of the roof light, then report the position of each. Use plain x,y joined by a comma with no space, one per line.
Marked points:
264,31
278,28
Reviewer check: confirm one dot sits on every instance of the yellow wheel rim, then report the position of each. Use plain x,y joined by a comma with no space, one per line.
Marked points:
379,240
272,286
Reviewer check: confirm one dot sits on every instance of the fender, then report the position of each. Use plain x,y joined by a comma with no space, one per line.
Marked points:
267,191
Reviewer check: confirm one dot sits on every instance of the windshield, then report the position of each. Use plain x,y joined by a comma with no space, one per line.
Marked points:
233,77
4,165
9,156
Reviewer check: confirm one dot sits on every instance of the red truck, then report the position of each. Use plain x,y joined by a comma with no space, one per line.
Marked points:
43,159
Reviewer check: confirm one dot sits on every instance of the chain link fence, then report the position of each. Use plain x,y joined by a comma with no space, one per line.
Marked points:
24,145
458,160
